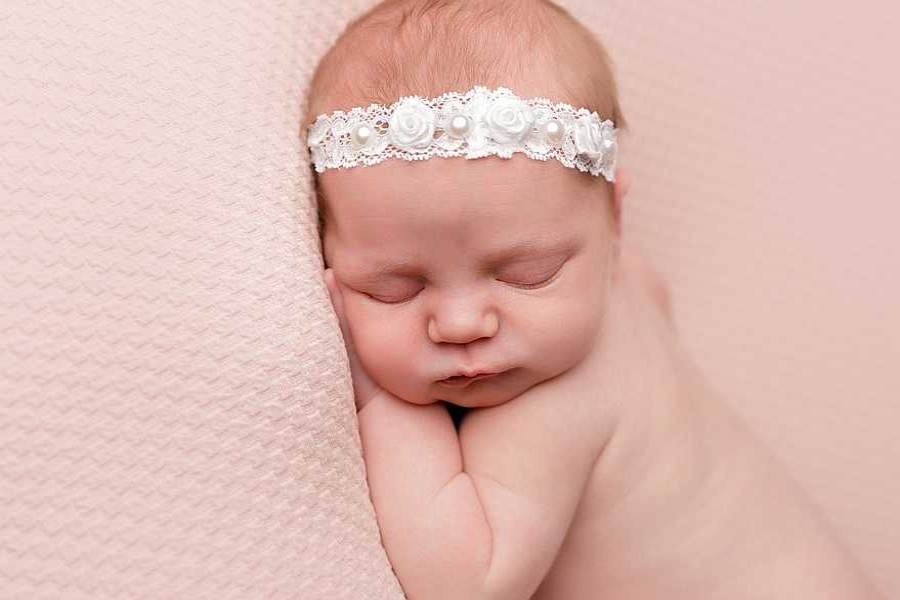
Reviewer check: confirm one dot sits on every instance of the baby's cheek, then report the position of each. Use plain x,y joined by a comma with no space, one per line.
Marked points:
380,344
575,328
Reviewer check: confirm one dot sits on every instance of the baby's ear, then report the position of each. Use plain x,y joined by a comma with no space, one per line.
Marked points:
622,184
620,189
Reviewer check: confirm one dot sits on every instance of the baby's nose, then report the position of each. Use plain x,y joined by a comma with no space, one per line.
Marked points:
462,323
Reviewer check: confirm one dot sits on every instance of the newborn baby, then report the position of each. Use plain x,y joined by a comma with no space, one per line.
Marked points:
469,280
472,271
469,204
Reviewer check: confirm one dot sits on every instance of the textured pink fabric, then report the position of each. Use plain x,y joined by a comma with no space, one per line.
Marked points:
176,416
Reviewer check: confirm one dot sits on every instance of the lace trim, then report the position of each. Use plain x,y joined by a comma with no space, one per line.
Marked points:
478,123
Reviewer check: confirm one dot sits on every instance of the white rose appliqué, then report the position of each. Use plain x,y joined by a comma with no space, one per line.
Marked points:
588,138
412,125
608,135
509,120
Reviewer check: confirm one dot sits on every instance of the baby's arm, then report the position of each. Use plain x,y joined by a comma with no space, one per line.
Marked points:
483,513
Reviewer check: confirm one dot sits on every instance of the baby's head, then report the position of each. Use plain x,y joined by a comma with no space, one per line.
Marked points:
456,265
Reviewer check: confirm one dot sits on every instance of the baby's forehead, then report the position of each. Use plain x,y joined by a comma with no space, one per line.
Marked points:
431,184
417,204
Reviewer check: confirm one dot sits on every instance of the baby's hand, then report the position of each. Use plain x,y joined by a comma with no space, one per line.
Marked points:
364,387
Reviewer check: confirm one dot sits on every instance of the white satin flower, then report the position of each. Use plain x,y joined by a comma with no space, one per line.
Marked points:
608,134
412,125
509,120
589,137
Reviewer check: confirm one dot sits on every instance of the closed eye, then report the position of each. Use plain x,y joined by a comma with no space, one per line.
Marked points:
531,285
382,301
527,285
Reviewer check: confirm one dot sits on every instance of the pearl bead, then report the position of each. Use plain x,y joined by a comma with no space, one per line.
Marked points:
362,134
554,131
459,126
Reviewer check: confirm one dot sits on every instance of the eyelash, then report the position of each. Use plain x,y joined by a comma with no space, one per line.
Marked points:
524,286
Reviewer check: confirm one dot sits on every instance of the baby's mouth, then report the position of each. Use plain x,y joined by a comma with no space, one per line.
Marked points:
463,381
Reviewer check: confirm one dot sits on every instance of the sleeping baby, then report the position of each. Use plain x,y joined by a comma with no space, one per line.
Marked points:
465,160
465,157
467,280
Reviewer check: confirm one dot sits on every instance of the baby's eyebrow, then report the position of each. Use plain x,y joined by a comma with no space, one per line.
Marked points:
530,248
394,267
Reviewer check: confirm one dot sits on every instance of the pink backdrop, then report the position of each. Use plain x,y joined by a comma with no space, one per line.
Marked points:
764,156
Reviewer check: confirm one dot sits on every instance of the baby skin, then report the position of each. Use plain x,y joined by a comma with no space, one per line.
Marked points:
599,463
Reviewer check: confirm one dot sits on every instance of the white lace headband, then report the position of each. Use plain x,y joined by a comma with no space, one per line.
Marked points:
474,124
